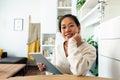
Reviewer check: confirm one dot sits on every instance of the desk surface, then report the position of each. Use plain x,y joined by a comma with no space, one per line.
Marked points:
56,77
8,70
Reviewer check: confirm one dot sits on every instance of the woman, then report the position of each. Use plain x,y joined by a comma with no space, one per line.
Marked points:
72,56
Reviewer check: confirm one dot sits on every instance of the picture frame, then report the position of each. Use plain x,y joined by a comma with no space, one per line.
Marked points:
18,24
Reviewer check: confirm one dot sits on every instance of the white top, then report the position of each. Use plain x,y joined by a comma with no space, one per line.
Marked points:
79,59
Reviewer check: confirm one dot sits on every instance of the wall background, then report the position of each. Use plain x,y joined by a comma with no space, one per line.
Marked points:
41,11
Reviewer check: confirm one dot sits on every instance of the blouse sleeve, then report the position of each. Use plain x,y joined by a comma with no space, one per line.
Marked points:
80,58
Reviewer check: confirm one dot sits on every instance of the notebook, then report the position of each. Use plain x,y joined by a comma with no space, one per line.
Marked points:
49,66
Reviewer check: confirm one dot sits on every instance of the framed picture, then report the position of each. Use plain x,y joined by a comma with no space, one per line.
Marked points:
18,24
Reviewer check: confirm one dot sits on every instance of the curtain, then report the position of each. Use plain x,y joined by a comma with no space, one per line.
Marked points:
33,39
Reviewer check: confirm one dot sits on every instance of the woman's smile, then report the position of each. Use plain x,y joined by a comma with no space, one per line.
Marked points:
68,35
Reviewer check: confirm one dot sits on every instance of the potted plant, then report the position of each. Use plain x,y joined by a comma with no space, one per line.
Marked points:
91,41
94,68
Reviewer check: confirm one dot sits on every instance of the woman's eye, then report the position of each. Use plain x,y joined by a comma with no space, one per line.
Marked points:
71,25
63,27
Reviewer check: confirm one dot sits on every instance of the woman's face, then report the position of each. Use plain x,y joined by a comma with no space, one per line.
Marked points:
69,28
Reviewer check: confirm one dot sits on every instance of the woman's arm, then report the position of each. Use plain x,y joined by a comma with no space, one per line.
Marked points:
80,57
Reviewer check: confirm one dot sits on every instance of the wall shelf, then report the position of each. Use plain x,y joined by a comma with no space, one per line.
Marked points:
65,8
92,17
90,12
62,9
89,17
88,5
48,44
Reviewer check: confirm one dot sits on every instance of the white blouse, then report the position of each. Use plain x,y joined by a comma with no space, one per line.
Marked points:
79,59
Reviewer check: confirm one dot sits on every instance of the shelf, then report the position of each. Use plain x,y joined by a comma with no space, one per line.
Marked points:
90,12
92,17
47,51
48,39
48,45
64,8
95,21
88,5
89,17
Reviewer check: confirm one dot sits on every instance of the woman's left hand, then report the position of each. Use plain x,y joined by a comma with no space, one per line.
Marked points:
78,39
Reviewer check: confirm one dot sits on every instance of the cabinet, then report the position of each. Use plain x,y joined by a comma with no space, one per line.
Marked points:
90,16
109,50
109,56
48,44
111,9
64,7
95,12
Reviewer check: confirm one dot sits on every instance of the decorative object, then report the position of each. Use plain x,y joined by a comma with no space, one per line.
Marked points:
67,3
18,24
61,3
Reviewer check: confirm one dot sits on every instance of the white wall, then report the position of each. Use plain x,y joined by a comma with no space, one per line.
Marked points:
111,9
42,11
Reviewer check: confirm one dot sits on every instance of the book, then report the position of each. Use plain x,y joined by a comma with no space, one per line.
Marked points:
49,66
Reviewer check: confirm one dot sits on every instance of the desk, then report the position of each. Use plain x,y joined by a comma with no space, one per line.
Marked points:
8,70
56,77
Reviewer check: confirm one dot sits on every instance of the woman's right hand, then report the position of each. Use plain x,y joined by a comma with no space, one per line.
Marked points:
41,66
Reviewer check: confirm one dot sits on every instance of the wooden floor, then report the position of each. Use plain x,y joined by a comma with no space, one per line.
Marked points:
33,70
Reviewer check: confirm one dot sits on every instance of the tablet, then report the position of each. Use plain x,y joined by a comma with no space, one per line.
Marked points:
49,66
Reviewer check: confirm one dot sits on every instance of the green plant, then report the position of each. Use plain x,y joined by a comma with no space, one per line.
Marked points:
91,41
80,4
94,43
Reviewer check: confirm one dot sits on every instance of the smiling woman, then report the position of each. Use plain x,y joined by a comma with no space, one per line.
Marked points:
72,55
